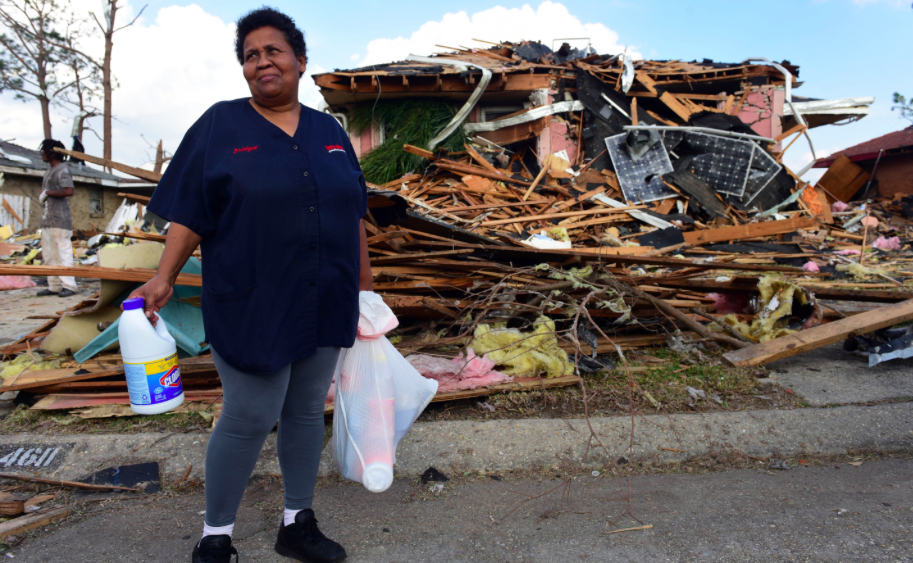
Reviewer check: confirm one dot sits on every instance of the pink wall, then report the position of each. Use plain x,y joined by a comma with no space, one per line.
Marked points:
762,112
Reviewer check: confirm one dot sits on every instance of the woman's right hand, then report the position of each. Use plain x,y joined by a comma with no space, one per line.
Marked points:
156,293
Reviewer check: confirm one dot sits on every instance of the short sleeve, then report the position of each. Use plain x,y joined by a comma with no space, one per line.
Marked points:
180,196
64,178
350,152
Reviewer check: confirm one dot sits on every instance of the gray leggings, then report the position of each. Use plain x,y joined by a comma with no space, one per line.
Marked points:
252,404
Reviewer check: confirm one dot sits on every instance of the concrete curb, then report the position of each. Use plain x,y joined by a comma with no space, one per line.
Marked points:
503,445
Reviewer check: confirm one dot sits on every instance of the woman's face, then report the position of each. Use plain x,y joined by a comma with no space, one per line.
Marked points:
271,68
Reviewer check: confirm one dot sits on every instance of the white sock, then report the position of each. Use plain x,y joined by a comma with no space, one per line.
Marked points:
290,516
217,530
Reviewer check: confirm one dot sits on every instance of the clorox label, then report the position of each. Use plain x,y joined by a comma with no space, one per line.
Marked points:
154,382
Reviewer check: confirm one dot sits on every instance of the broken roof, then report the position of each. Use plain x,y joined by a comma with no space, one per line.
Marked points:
519,68
892,143
20,160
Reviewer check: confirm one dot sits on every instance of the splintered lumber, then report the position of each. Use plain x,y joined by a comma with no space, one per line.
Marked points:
476,171
60,483
690,323
137,198
140,236
138,172
34,521
821,335
530,218
29,379
820,289
518,384
95,272
673,103
750,230
419,152
12,504
545,166
410,257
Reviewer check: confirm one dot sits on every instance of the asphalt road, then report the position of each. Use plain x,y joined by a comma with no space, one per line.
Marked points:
822,514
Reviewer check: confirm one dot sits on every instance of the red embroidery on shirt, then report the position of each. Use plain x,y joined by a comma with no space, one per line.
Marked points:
246,149
332,148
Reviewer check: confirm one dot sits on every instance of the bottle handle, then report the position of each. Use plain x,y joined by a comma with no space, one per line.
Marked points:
161,329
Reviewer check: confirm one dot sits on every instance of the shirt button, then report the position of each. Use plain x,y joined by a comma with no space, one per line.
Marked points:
313,284
313,247
305,173
295,147
312,210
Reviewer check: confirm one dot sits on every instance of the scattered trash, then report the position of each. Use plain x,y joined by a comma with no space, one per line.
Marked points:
777,464
433,475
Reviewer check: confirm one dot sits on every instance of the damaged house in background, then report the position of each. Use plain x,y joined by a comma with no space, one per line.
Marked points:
698,125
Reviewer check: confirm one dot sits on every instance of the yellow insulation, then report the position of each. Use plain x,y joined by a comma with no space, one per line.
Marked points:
524,354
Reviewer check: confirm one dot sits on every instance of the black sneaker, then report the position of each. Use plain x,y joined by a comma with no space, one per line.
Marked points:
304,542
46,293
66,292
214,549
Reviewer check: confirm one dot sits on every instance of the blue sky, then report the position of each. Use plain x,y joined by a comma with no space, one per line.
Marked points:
844,48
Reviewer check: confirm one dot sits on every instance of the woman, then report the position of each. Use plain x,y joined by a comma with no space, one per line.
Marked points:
274,196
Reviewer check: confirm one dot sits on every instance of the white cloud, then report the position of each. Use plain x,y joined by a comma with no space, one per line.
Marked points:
551,20
354,57
170,69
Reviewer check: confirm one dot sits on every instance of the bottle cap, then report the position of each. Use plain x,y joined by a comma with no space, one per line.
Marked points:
135,303
377,477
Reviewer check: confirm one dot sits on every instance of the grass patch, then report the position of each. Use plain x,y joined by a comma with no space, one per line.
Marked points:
23,420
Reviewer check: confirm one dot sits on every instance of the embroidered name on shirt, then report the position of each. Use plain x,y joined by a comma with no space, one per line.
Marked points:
245,149
334,148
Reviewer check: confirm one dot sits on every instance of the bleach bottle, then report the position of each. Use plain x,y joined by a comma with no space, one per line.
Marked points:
150,361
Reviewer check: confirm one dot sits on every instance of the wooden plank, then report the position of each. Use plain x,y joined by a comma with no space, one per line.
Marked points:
420,256
820,289
65,401
519,384
476,170
41,378
138,172
530,218
137,198
545,165
384,237
480,160
419,152
750,230
95,272
673,103
9,209
822,335
139,236
34,521
843,178
583,197
510,253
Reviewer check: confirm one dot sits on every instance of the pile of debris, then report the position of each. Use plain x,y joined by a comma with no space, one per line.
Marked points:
627,204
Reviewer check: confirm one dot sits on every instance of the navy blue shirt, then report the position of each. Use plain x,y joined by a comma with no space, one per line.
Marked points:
279,218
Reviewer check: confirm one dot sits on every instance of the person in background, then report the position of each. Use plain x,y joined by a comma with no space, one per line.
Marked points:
56,223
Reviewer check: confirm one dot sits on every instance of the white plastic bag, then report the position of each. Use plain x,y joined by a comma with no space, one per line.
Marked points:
378,397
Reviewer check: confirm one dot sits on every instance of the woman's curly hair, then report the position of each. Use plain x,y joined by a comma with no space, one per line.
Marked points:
269,17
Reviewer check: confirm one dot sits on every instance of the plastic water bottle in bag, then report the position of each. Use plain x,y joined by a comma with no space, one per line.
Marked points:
378,397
